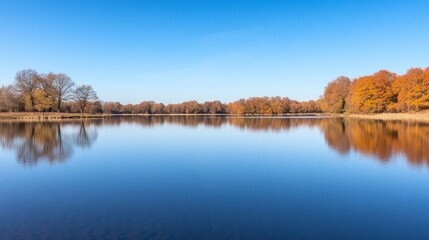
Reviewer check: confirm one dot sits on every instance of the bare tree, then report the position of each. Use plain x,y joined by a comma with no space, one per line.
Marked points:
63,88
8,99
26,82
83,95
52,90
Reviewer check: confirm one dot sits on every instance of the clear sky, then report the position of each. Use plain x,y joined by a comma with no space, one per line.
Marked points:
172,51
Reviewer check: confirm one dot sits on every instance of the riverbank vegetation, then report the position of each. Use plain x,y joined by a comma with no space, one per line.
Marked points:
52,92
382,92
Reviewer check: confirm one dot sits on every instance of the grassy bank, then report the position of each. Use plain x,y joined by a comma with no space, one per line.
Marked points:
46,116
419,116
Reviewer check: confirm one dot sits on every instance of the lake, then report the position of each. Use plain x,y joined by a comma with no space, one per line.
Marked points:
214,178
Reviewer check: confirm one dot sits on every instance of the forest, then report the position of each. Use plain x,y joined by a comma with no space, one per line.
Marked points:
380,92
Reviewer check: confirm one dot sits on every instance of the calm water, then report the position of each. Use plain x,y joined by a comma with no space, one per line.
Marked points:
214,178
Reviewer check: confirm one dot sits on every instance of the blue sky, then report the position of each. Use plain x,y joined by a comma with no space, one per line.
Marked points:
172,51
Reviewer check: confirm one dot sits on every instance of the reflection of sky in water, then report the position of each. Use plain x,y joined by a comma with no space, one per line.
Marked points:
268,180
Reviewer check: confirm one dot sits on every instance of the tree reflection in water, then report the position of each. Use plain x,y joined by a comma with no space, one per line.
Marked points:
35,141
381,139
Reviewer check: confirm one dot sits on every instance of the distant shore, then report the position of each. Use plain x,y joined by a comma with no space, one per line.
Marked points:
419,116
56,116
45,116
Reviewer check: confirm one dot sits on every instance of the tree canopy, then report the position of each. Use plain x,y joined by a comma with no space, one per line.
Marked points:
380,92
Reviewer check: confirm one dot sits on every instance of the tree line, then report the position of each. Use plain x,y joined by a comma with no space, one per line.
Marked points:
383,91
253,105
51,92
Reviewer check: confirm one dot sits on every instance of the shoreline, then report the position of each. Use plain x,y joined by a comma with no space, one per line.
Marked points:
418,116
56,116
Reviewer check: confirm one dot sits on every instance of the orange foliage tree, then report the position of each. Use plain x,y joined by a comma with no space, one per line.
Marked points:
373,94
381,92
413,90
335,95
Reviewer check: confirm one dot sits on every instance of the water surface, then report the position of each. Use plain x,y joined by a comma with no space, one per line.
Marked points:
214,178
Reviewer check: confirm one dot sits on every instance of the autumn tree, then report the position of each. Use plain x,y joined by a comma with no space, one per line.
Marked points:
373,94
192,107
44,95
95,107
309,107
214,107
42,102
112,107
127,109
264,106
144,107
157,108
237,107
294,106
412,90
278,105
84,95
26,82
335,95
